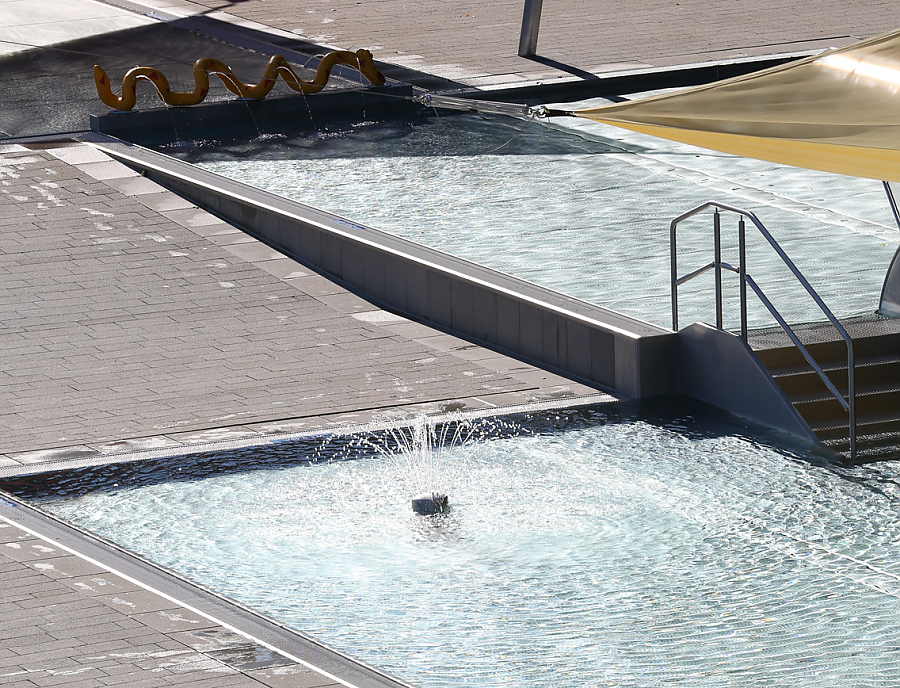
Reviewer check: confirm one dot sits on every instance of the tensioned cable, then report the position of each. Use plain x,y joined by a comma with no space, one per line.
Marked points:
493,150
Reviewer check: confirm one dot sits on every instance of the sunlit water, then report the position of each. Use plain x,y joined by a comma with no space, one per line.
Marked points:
613,547
580,207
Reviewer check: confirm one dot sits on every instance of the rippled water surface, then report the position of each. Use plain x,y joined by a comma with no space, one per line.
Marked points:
581,207
611,547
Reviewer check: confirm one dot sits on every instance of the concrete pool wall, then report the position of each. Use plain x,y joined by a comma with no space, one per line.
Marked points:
251,117
607,349
614,351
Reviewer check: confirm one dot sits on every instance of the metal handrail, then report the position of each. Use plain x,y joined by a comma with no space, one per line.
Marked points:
850,404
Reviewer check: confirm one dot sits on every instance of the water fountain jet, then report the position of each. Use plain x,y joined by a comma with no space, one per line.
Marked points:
430,455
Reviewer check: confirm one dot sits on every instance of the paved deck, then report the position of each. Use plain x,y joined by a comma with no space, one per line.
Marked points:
132,320
68,620
475,42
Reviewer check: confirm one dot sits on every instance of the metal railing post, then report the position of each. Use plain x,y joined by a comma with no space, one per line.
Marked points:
531,24
673,261
893,202
717,247
742,271
746,280
851,397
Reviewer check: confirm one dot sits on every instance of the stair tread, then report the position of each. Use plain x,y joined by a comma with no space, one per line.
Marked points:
863,448
861,422
825,395
805,369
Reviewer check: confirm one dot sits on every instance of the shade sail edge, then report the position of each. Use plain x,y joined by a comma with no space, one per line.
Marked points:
837,112
854,161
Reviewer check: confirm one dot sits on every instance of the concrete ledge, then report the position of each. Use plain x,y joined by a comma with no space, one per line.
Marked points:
630,81
615,351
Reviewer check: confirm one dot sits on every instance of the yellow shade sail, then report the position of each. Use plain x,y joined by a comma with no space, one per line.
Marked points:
836,112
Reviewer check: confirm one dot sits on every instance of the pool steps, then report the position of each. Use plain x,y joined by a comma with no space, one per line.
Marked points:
775,386
877,391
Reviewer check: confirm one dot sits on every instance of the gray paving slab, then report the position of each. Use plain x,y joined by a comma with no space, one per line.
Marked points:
125,327
476,42
57,631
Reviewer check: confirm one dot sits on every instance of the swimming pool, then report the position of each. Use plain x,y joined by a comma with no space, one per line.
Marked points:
625,545
580,207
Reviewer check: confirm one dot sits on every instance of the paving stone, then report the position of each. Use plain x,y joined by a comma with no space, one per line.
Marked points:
100,584
44,455
254,252
111,169
249,658
140,444
137,602
292,676
192,217
316,285
172,620
10,533
135,186
79,154
164,200
218,228
224,238
27,550
284,268
181,661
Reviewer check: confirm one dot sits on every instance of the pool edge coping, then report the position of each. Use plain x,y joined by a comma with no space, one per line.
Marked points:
97,460
173,586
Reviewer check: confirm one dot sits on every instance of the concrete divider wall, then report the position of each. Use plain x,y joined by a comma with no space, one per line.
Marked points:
252,117
616,352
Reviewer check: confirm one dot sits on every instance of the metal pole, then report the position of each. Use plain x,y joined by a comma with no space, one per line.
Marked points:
742,271
673,262
717,239
892,201
851,397
531,24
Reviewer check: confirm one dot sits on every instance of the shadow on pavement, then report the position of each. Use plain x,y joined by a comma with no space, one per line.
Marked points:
51,89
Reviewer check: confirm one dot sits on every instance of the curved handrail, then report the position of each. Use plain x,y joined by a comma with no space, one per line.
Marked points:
850,404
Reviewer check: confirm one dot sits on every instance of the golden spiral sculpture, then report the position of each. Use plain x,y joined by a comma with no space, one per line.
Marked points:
277,66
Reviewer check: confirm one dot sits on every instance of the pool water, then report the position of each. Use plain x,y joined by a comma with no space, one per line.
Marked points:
624,545
580,207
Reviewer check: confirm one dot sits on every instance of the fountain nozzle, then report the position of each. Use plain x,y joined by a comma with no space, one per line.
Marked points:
430,503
